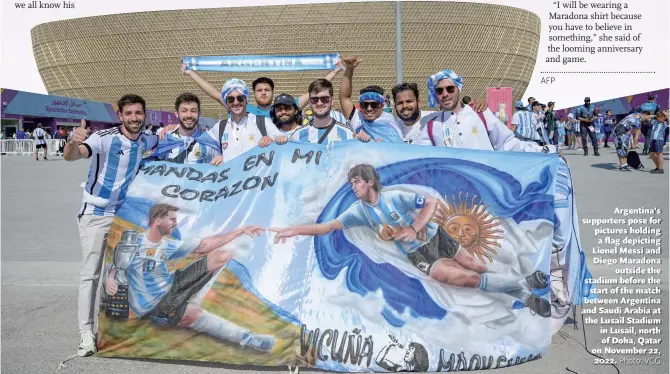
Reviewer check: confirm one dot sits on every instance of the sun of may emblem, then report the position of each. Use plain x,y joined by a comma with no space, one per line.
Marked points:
471,225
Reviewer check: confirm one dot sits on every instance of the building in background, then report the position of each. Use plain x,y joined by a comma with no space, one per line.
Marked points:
101,58
24,110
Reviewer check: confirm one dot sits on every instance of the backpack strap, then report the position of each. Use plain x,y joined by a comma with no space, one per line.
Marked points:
260,123
481,117
328,129
222,129
430,131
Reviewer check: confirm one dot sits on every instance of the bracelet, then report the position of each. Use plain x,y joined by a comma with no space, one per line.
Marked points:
412,227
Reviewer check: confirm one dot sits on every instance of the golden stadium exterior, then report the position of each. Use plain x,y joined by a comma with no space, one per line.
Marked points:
101,58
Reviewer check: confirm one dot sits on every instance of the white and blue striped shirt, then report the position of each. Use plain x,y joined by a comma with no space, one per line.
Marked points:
199,154
311,134
658,129
40,133
525,125
114,163
148,276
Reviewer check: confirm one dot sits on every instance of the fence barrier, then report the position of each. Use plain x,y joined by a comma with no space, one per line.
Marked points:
26,147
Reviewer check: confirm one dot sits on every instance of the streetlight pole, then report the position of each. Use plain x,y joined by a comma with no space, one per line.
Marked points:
398,42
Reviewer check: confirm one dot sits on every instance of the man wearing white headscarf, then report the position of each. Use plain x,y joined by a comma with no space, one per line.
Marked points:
461,127
242,131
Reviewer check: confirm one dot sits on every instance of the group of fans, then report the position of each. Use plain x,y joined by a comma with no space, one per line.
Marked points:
117,153
539,122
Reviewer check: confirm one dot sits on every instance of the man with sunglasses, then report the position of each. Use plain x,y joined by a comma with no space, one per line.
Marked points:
263,88
461,127
242,131
370,122
323,127
587,116
411,119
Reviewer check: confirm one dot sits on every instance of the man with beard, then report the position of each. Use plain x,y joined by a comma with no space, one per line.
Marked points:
187,144
370,122
263,88
462,127
285,114
323,127
586,115
411,119
116,158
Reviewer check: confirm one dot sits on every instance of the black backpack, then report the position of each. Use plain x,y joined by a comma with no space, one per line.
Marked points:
634,160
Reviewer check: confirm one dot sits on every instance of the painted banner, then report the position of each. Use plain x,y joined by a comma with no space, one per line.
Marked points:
258,63
348,257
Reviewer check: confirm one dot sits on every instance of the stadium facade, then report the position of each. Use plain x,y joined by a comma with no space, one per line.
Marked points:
101,58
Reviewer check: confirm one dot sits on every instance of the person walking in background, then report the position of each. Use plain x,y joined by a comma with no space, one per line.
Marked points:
40,141
657,135
586,115
610,121
560,128
650,107
550,121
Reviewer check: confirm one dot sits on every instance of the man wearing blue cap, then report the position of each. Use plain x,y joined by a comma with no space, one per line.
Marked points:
285,114
462,127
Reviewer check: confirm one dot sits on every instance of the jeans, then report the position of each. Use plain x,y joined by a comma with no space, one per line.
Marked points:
592,134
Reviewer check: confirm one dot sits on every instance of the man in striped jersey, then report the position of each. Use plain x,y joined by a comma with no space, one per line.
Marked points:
324,127
116,154
40,143
191,150
525,124
171,298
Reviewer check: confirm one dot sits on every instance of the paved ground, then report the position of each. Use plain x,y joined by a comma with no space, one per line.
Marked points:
40,254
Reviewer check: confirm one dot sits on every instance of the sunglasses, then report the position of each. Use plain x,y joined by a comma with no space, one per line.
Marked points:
370,104
450,89
231,99
322,99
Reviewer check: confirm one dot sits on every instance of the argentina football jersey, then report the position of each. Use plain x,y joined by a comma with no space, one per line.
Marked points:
333,133
190,151
149,278
115,161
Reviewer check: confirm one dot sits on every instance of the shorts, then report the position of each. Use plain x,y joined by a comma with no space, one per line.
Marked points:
38,146
187,282
657,146
441,245
621,144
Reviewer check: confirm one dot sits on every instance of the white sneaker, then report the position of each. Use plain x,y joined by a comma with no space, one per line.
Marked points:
87,345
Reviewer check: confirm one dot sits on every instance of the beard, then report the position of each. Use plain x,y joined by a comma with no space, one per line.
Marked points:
182,123
133,127
283,121
412,117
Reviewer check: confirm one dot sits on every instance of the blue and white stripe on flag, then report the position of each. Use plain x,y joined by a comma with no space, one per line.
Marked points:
258,63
